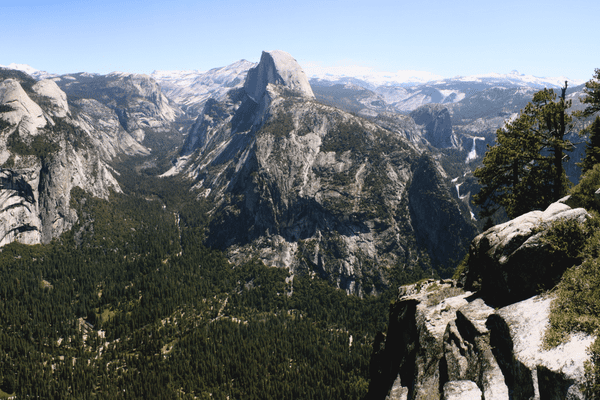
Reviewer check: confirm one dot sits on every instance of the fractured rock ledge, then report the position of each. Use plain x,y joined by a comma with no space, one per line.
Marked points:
445,343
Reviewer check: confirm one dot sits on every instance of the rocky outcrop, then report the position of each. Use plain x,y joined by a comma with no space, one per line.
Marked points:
21,110
436,123
510,262
58,105
482,337
19,206
143,104
105,130
446,343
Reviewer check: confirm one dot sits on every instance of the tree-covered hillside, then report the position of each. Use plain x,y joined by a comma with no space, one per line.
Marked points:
130,304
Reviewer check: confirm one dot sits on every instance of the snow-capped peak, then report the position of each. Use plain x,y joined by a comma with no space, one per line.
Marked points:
37,74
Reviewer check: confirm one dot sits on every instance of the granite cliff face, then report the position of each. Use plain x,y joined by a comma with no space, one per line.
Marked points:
277,68
471,340
51,142
436,123
309,187
135,102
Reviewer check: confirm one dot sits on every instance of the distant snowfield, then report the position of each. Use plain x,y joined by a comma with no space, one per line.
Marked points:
378,78
407,77
367,74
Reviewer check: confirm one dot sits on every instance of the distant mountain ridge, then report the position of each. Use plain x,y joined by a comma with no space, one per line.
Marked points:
403,91
372,79
191,89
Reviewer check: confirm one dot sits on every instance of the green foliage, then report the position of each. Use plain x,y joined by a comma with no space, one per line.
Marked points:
4,124
442,293
178,320
563,243
5,108
280,126
582,195
344,137
78,138
591,383
577,304
577,307
461,267
40,146
592,149
592,94
523,171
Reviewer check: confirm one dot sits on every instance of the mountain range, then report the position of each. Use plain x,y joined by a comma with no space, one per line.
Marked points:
155,228
296,173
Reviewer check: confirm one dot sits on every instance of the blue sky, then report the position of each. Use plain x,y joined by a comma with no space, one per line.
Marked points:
542,38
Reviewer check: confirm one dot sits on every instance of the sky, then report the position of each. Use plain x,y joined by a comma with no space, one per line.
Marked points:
459,38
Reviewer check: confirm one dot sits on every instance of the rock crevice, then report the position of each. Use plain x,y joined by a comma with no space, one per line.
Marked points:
464,348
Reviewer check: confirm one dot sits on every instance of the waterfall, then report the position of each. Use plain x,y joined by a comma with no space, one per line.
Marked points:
473,153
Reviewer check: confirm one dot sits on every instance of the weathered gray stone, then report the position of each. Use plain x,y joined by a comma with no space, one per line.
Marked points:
434,341
398,392
58,98
19,206
461,390
26,113
555,373
509,262
468,353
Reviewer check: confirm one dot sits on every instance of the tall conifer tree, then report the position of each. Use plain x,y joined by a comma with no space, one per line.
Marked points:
523,170
592,150
592,98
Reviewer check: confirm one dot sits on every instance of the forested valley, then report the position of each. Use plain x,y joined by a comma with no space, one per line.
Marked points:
130,304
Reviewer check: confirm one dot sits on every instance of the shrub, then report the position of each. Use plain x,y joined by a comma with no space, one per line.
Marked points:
577,304
462,266
582,195
40,146
591,384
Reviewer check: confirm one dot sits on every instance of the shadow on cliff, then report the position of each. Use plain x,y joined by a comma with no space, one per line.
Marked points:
436,218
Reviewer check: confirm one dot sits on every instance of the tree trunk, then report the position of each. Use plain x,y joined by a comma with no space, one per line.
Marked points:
558,147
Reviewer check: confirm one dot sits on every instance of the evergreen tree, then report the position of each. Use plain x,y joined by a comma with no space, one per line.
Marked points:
592,150
523,171
592,98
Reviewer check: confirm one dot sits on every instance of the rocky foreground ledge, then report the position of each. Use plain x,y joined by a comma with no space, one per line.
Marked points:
445,341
